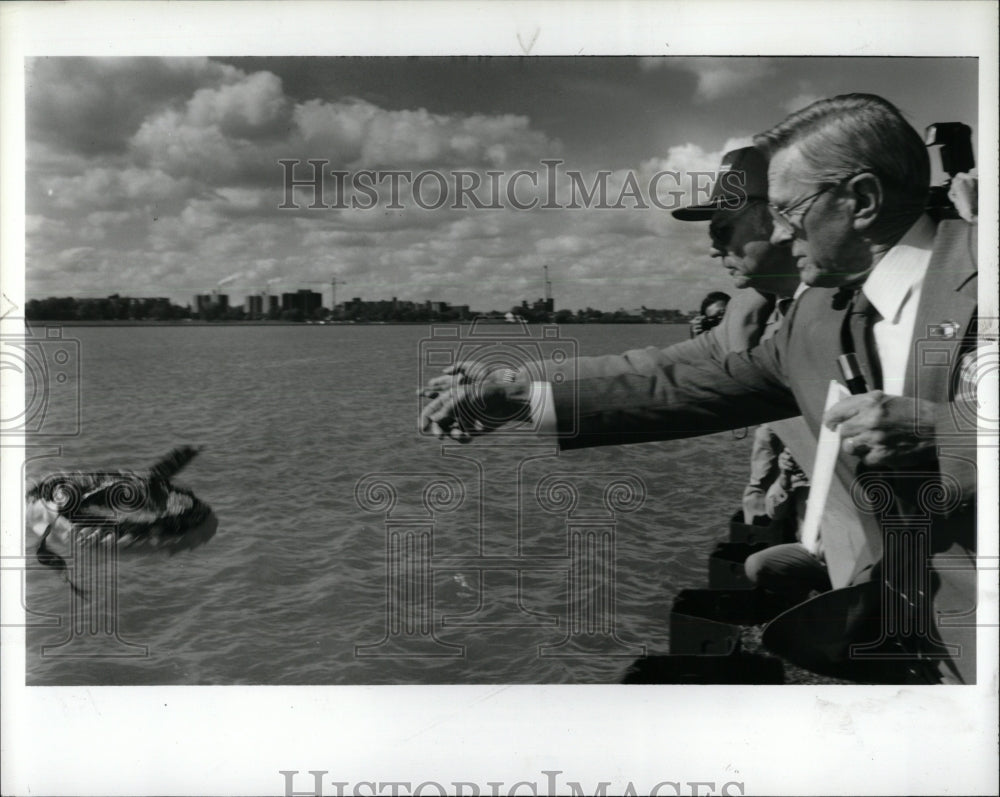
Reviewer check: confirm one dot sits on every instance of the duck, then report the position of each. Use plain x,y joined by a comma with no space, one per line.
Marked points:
139,511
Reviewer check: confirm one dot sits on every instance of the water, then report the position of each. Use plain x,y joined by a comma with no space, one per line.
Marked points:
291,418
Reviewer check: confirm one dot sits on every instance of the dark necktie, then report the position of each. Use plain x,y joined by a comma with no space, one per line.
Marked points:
858,336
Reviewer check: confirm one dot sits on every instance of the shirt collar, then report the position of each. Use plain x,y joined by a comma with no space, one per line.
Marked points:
901,270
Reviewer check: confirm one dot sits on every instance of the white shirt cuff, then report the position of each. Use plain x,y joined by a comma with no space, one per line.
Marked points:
543,411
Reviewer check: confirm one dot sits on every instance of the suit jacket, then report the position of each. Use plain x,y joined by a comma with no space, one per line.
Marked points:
632,398
751,318
741,328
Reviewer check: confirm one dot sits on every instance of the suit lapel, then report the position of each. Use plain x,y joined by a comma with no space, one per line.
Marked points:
947,306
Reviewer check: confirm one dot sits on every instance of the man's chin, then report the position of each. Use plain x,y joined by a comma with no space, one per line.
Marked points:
817,278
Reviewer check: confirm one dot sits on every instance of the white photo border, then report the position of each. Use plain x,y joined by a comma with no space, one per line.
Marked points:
236,740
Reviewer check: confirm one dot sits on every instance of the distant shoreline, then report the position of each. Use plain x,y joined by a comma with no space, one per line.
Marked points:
190,323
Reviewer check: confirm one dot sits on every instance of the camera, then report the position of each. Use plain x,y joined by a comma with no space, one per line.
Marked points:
49,363
485,347
952,144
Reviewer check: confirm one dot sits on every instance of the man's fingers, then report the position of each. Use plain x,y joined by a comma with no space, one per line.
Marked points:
844,409
425,419
441,382
853,427
433,414
877,455
854,446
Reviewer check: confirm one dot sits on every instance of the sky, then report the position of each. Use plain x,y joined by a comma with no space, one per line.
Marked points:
161,176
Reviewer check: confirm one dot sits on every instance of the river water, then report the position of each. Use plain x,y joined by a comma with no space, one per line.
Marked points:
312,578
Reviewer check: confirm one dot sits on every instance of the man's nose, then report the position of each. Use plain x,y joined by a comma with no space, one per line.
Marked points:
780,236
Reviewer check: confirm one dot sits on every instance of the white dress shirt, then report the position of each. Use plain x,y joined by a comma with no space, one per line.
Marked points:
893,287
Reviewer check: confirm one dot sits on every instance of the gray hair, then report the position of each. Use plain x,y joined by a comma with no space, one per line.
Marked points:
854,133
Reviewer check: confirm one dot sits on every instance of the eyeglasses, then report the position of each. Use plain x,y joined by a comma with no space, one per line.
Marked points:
783,219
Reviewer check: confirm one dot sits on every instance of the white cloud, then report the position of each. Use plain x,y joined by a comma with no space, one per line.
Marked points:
193,196
105,187
723,77
94,105
244,109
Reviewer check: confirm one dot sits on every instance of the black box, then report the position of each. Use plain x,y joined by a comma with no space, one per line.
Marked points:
736,606
725,565
691,634
739,668
756,533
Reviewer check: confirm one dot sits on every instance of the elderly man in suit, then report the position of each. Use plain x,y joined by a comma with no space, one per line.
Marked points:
849,179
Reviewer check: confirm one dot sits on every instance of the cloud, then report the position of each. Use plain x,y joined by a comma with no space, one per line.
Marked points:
358,133
252,107
182,187
718,78
94,105
110,188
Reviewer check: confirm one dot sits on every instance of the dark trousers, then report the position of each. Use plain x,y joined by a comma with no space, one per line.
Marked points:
788,570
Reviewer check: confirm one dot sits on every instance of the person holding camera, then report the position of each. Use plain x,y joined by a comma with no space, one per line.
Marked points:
711,313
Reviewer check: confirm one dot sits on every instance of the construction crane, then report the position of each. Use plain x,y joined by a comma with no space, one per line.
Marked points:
333,283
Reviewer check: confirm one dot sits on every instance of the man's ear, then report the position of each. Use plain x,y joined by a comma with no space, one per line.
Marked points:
869,196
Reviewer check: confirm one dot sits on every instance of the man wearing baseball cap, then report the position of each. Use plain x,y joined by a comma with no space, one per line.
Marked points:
740,229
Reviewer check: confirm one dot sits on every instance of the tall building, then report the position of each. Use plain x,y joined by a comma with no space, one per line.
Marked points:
304,300
214,304
310,302
254,306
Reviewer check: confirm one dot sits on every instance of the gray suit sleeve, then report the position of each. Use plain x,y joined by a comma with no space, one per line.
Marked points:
636,398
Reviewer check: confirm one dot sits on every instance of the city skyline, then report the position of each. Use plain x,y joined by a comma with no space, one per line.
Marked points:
163,176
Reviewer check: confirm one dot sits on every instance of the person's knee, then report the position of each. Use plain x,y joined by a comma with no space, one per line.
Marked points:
755,565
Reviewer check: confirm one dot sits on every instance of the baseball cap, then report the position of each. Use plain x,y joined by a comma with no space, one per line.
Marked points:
742,176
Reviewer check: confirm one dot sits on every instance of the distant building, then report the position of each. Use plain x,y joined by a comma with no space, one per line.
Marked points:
304,300
538,311
273,305
212,305
254,306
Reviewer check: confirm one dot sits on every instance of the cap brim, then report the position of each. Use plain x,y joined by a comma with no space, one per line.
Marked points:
706,211
695,212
